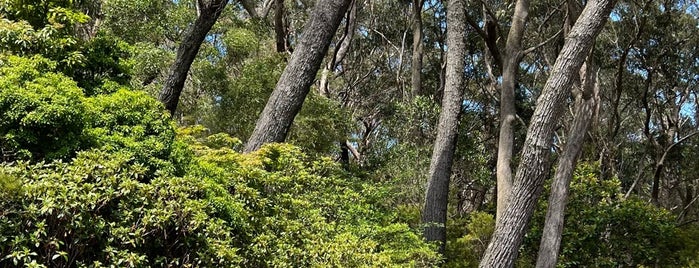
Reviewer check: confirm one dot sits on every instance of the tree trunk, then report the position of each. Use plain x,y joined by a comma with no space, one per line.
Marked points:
584,111
341,50
535,164
281,31
416,64
513,54
434,215
298,76
207,14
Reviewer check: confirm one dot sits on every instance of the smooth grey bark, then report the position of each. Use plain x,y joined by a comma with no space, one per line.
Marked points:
513,55
535,163
416,64
298,76
207,14
586,101
255,11
434,213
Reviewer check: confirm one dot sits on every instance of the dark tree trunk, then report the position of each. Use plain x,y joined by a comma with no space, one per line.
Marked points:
416,64
298,76
535,164
207,14
434,215
281,30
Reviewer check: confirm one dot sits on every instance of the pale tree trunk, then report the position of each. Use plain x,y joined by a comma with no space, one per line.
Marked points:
586,101
207,14
513,55
298,76
340,50
434,214
257,12
535,164
416,64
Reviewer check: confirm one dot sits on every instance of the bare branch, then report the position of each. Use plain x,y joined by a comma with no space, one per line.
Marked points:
532,49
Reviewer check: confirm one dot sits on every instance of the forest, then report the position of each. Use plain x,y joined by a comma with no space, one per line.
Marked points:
349,133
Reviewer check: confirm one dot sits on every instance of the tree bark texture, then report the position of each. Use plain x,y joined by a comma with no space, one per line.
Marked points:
416,64
207,14
513,55
584,111
434,214
298,76
535,164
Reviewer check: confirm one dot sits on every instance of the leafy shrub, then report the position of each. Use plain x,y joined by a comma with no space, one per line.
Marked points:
604,229
275,207
41,112
305,212
44,115
133,122
95,211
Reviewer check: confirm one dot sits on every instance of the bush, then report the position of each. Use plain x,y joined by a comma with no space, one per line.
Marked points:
604,229
41,112
275,207
44,115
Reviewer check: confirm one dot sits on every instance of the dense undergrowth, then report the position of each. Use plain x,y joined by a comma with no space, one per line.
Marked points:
104,180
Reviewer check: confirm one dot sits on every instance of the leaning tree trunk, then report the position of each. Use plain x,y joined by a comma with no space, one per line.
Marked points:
513,55
434,215
587,98
298,76
207,14
584,111
535,164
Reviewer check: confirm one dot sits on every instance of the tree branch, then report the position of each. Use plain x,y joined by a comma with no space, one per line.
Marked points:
532,49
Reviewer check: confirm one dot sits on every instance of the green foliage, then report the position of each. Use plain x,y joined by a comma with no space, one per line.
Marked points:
467,246
134,122
44,115
39,13
248,94
96,211
47,28
604,229
320,124
303,212
146,20
104,61
41,112
275,207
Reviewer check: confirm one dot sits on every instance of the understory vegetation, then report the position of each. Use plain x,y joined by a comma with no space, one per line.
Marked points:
96,172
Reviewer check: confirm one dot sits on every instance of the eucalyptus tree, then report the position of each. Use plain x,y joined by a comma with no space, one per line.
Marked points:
534,165
586,92
208,12
434,215
298,76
